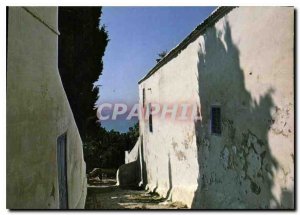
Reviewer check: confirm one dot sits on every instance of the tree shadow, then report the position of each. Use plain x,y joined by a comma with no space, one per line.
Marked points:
236,168
287,199
168,195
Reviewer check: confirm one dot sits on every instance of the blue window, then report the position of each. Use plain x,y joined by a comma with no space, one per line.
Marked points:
216,120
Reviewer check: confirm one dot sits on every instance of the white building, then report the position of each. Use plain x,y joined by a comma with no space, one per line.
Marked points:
237,67
45,167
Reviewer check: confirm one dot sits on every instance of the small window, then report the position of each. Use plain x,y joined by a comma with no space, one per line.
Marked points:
150,119
216,120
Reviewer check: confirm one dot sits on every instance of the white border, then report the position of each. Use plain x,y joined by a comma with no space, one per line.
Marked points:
3,5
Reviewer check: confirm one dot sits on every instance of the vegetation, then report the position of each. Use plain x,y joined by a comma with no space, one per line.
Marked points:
161,55
81,48
108,150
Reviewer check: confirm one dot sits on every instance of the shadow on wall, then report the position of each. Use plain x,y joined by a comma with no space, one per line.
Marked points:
134,174
168,195
236,168
143,164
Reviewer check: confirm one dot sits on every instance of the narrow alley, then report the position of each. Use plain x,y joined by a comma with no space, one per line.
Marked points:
134,108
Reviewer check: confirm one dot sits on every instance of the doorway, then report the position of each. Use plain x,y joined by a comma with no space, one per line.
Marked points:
62,171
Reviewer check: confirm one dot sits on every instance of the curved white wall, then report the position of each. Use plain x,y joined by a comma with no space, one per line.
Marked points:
37,113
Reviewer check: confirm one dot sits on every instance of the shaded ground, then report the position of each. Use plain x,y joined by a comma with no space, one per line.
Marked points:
109,196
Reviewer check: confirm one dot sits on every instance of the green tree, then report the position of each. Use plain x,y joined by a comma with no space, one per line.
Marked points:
81,48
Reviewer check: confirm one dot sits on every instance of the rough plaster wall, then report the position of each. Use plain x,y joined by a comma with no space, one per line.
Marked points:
133,172
37,113
244,63
170,151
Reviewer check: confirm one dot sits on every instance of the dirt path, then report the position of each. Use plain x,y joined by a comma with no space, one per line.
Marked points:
113,197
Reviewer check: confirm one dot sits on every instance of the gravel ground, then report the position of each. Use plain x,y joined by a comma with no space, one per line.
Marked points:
109,197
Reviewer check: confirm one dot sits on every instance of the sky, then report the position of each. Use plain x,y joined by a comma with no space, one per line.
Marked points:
137,35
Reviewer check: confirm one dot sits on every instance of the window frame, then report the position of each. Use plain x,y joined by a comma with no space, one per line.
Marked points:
212,131
144,95
150,120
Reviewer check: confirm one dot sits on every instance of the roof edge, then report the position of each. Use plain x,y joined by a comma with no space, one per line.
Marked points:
212,19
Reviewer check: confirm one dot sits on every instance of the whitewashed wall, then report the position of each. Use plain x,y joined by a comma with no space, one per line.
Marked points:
244,63
37,113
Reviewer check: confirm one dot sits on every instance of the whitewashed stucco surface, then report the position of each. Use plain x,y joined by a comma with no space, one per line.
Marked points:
37,113
244,64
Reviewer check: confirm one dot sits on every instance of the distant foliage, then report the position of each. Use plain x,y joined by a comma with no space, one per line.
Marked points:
132,136
109,150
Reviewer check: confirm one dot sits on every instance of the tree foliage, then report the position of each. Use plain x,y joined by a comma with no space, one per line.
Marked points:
81,49
108,150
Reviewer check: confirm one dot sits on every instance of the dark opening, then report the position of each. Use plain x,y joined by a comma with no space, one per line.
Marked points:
150,119
143,97
216,120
